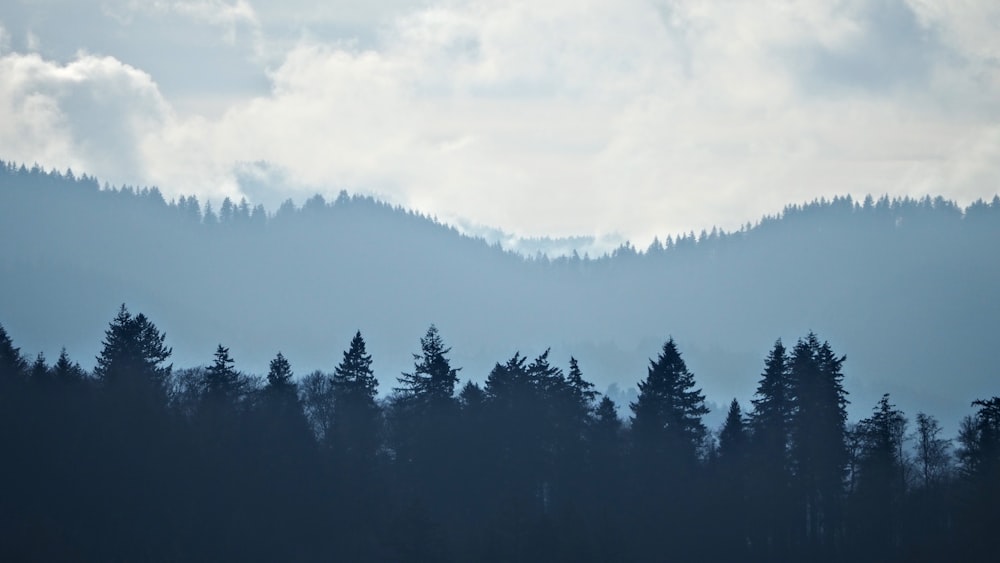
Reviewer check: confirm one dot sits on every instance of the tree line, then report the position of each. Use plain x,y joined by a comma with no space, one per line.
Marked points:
136,460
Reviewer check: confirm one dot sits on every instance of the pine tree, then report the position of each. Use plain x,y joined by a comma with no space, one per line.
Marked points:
772,411
818,439
423,418
223,385
66,370
133,356
279,374
433,380
882,481
732,474
979,463
733,436
354,377
666,419
12,363
355,414
580,393
771,477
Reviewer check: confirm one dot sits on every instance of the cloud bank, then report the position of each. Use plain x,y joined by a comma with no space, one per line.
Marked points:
634,118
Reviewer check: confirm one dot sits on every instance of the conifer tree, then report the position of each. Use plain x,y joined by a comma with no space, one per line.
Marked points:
882,481
667,415
355,414
133,356
818,439
65,370
12,363
222,381
433,380
770,484
733,436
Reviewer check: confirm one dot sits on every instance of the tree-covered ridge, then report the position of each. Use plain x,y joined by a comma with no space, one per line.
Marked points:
138,460
896,281
819,213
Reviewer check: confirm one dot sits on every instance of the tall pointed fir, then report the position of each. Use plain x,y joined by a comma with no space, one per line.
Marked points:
281,404
819,441
770,491
666,421
668,436
355,413
12,364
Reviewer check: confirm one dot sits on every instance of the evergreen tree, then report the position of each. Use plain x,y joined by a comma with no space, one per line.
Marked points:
882,481
133,356
667,415
772,412
979,463
223,385
818,440
433,380
66,370
355,414
668,434
12,363
733,435
279,374
424,416
731,473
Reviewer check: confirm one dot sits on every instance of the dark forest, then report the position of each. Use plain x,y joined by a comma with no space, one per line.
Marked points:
139,460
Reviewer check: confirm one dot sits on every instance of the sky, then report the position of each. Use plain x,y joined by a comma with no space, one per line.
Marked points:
614,120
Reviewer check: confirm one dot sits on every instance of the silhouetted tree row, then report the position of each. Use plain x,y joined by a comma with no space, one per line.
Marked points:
138,461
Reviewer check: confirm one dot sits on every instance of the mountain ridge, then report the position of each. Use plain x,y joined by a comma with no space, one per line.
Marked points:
884,280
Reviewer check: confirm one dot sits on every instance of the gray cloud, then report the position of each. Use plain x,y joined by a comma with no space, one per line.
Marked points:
626,119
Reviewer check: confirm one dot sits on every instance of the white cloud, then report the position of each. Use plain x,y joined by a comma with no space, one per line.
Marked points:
87,114
559,118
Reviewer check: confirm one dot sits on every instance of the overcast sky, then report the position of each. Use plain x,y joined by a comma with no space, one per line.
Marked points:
555,117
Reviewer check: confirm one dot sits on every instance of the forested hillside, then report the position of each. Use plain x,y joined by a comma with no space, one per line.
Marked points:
137,461
907,286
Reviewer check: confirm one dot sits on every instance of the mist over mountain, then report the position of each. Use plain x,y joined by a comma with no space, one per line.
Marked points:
905,288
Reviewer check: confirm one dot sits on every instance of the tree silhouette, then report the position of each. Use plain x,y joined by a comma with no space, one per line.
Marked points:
771,477
882,481
433,380
355,414
667,415
667,434
818,441
133,356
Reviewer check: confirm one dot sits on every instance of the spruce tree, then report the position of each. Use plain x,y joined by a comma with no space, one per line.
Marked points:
818,439
131,361
666,419
433,380
355,414
223,385
12,364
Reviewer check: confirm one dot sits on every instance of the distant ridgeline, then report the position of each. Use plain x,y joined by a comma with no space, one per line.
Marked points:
907,286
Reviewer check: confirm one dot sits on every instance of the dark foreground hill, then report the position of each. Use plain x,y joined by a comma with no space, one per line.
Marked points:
907,289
